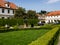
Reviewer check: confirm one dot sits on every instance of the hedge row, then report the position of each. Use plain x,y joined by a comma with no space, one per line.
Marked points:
54,39
2,30
16,21
45,39
10,21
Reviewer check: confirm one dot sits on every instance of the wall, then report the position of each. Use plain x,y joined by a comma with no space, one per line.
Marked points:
52,18
6,14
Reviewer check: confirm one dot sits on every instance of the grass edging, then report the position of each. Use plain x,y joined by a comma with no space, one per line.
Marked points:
8,30
45,39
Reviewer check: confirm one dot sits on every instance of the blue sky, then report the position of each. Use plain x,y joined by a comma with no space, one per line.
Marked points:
38,5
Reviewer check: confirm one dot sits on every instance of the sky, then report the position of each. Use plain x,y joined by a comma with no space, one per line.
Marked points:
38,5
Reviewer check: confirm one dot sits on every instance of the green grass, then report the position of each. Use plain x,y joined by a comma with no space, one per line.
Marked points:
44,40
23,37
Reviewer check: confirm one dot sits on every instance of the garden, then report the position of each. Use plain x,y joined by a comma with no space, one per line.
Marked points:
23,29
21,37
45,35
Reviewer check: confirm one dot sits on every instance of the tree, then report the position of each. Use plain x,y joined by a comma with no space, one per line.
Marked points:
31,14
20,12
42,12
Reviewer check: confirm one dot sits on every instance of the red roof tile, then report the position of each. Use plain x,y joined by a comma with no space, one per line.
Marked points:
12,5
55,13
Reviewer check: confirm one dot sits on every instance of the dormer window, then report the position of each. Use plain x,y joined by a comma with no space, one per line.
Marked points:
7,4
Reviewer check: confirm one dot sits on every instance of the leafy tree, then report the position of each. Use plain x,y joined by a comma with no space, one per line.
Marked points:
20,12
42,12
31,14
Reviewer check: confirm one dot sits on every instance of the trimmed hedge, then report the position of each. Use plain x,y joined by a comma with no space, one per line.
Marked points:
45,39
15,21
10,22
48,26
3,29
33,21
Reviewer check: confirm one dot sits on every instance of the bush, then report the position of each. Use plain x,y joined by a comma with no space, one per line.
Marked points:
33,21
15,21
47,26
10,22
45,39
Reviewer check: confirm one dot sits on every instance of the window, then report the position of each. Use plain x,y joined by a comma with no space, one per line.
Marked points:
8,11
2,10
7,5
13,11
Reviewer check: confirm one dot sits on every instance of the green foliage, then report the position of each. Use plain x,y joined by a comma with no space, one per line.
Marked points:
2,28
20,12
23,37
15,21
44,40
31,14
42,12
49,26
11,22
33,21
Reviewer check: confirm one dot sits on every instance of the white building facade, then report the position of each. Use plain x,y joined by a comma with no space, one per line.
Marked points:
51,17
7,9
6,13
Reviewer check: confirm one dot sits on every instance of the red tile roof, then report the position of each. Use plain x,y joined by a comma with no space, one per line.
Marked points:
55,13
12,5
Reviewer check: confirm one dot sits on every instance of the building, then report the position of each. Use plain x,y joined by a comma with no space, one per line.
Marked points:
41,18
7,9
51,17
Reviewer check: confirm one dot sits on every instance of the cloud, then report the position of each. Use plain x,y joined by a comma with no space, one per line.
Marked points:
53,1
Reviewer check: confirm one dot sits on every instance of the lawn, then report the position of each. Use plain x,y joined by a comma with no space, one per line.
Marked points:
23,37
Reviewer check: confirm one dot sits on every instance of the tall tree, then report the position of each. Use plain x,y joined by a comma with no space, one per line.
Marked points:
31,14
42,12
20,12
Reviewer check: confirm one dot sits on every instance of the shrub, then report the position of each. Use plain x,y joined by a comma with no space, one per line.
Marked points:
45,39
16,21
33,21
11,22
47,26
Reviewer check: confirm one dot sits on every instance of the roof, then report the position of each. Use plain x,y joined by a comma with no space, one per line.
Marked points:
54,13
3,2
